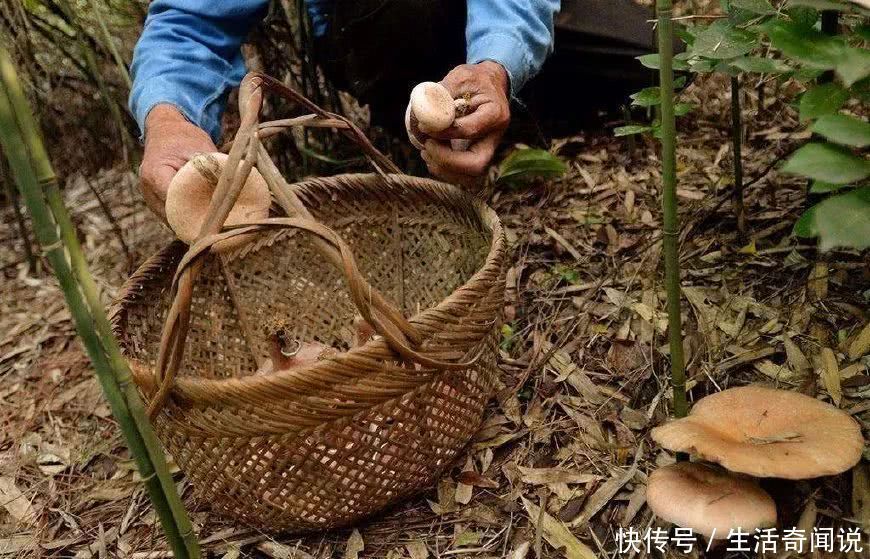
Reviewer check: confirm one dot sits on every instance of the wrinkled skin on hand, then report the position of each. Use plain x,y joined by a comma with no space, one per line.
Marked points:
170,142
487,88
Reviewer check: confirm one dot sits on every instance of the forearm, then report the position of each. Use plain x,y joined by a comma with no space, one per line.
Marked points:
518,34
189,56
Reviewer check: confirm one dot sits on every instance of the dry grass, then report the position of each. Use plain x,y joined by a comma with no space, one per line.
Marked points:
584,368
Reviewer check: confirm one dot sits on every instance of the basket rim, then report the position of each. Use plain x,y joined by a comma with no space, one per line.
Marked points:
279,385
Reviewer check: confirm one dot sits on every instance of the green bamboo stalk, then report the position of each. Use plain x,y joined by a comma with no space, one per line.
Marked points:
24,149
737,152
664,13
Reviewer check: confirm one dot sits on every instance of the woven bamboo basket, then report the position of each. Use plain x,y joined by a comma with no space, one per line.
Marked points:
339,439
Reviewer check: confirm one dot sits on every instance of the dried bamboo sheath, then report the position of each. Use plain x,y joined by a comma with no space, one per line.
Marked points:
329,443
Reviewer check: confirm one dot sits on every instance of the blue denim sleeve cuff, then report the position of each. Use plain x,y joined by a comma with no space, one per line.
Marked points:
507,50
158,91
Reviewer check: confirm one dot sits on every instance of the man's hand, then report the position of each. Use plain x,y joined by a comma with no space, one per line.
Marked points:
486,86
170,141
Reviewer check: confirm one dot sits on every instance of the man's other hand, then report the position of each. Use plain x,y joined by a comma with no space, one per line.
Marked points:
486,86
170,142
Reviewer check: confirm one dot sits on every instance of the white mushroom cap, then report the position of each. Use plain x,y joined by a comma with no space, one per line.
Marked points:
766,432
190,192
433,107
710,501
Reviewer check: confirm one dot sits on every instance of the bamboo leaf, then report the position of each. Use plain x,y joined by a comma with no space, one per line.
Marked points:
682,109
822,187
760,65
557,534
807,46
853,65
805,226
631,129
820,4
527,163
843,129
821,100
827,162
653,61
721,40
646,97
803,16
839,221
760,7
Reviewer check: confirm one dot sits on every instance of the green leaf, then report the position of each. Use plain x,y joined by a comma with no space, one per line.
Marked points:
822,100
527,163
861,90
653,61
803,16
702,65
682,109
760,65
853,65
647,97
843,129
722,40
863,31
685,33
806,75
807,46
805,226
839,221
761,7
652,96
727,69
827,162
822,187
630,129
819,4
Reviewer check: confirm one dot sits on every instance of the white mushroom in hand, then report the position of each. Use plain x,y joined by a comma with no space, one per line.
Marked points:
432,109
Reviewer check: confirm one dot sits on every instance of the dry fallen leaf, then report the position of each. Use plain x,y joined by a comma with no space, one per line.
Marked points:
606,492
280,551
861,345
830,373
16,503
474,479
417,550
557,534
355,545
545,476
463,490
796,358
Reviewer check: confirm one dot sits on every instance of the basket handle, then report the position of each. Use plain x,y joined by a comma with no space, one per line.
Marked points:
245,153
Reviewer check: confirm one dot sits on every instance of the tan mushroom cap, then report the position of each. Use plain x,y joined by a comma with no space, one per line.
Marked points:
766,432
433,107
190,192
709,501
411,126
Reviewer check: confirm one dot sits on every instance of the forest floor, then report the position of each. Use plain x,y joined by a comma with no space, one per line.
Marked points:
584,368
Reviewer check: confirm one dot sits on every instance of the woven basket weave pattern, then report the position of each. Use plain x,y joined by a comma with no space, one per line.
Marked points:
341,439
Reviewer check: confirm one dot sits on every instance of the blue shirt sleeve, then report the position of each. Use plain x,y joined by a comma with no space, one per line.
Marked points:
518,34
189,55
